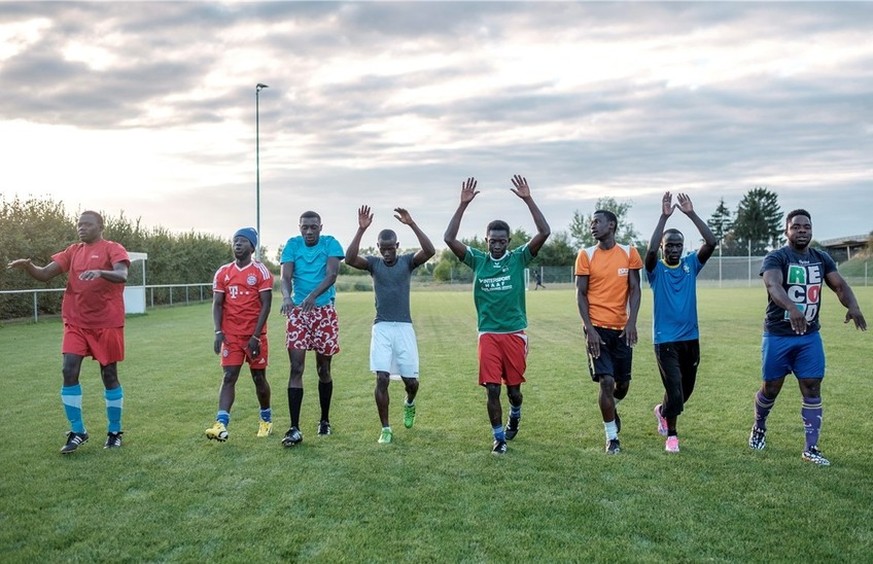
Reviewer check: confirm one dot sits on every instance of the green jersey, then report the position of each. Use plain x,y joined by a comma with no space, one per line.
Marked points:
498,289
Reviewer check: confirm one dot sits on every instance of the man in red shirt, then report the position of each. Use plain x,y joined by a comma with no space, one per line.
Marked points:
242,294
93,314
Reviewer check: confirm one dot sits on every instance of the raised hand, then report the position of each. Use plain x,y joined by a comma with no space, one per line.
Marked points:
667,204
403,216
522,190
365,217
685,203
468,190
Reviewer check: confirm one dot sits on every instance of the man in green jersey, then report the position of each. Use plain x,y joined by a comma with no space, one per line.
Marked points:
498,292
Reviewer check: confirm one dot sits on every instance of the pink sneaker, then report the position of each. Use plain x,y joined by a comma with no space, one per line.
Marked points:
672,444
662,423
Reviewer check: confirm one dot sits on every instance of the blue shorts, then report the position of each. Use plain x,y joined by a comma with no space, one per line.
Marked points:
802,354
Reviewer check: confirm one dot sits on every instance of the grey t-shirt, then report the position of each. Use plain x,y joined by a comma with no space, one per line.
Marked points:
391,286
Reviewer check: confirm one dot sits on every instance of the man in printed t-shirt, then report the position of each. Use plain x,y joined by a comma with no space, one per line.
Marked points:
498,292
793,276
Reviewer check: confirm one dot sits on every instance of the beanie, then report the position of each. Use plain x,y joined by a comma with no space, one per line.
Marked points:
250,234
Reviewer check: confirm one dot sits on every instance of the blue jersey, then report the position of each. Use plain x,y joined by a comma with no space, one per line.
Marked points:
803,275
310,266
675,305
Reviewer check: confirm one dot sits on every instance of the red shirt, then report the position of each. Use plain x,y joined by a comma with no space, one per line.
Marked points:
242,289
98,303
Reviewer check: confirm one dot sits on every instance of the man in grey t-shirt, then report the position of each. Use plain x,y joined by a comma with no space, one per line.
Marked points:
393,347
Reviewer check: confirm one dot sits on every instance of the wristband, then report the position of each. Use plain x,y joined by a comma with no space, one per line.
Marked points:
219,331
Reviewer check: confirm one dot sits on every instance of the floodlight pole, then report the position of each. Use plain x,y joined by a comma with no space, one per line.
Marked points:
258,89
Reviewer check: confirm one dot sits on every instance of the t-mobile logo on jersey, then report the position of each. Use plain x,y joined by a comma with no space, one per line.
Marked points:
804,288
233,291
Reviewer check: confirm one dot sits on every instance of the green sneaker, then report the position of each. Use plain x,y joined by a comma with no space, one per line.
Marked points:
408,416
386,436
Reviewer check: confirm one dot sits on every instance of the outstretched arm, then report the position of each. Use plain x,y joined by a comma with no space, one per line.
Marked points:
468,192
522,190
655,242
365,219
41,273
844,292
427,249
709,240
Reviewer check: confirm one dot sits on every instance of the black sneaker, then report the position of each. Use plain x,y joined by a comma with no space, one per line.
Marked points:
324,428
113,440
499,447
512,427
73,442
757,438
617,422
812,454
292,438
613,446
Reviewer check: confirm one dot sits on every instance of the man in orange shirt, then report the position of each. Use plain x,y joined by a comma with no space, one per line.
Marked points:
608,296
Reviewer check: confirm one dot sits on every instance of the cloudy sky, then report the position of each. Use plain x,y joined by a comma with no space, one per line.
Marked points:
149,109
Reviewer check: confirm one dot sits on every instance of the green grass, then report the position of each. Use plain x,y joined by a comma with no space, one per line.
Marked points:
437,493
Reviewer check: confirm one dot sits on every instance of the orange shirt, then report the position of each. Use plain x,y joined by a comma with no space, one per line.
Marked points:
607,273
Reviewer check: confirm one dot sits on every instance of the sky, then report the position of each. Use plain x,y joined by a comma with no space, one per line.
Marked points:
149,109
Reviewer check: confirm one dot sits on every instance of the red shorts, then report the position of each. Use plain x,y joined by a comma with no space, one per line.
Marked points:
502,358
315,330
105,345
235,351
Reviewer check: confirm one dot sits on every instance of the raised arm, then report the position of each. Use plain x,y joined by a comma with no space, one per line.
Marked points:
117,275
522,190
427,249
365,219
709,240
468,192
41,273
655,242
844,292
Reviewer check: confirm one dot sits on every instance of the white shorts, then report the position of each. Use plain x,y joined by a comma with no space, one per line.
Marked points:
394,349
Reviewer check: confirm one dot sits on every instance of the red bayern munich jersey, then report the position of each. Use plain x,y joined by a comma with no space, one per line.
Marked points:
242,289
98,303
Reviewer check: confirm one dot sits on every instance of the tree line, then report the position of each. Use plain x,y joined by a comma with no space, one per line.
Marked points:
37,228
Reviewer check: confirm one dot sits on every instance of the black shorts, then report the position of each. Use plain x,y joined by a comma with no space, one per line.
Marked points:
616,357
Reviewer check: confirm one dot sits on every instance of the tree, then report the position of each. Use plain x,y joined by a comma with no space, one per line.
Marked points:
558,251
759,220
580,225
722,223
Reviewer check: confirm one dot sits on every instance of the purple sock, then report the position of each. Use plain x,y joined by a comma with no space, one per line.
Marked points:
763,405
810,411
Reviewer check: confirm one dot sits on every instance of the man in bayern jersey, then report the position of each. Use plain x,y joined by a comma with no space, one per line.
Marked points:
794,276
498,292
242,293
93,313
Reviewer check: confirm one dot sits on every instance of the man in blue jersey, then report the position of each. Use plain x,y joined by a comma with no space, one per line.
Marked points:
393,347
793,276
310,263
498,292
674,286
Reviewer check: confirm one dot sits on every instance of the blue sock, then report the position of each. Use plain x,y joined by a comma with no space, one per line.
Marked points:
71,396
267,414
811,412
515,411
114,404
499,435
223,417
763,405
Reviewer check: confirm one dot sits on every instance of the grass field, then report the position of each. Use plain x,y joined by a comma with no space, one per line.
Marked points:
436,494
